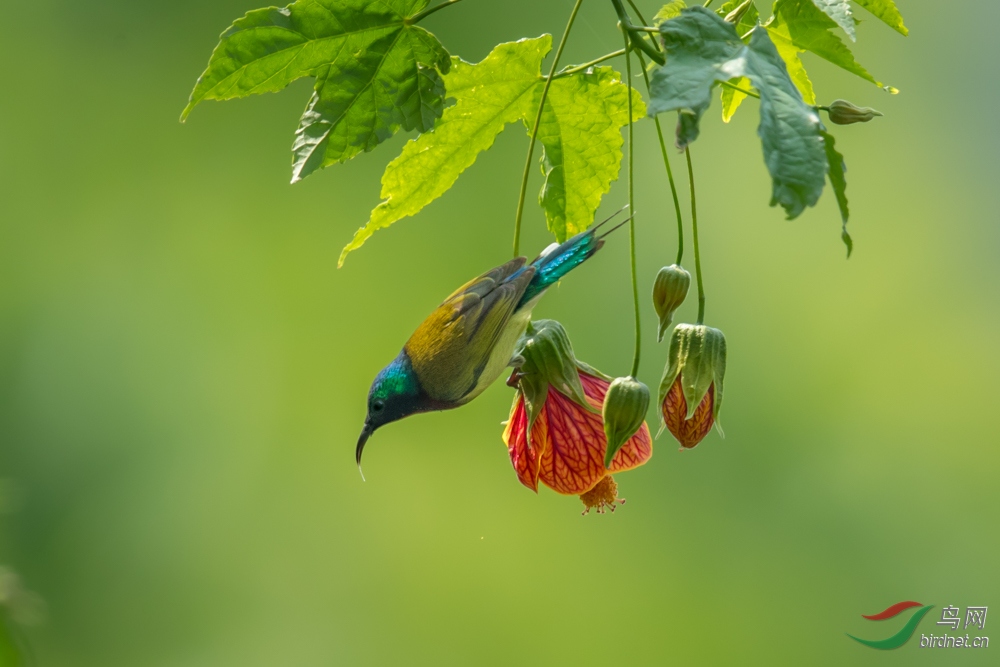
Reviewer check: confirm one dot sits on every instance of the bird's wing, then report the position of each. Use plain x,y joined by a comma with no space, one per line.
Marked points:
487,282
450,349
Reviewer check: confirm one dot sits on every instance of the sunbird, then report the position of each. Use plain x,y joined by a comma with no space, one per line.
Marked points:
466,344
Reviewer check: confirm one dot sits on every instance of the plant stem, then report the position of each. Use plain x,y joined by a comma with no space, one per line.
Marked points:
748,93
638,41
534,130
663,150
670,171
642,19
707,3
420,16
694,234
580,68
631,208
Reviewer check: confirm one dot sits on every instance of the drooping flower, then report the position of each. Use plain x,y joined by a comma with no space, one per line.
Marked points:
555,434
691,389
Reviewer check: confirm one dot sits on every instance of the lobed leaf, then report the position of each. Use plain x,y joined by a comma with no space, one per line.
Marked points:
799,25
838,179
796,70
360,103
885,10
732,99
581,138
671,10
580,133
840,12
375,73
488,95
789,129
697,43
703,49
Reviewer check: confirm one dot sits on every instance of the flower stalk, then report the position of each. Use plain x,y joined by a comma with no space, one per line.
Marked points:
663,151
694,238
631,207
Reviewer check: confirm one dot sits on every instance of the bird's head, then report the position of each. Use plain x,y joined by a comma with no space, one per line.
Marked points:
395,394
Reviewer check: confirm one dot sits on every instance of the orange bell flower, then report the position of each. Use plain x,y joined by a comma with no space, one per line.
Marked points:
555,434
691,389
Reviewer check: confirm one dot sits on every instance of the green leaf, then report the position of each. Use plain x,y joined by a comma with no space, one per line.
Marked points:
489,95
702,49
731,99
697,43
838,179
886,11
789,130
580,132
796,71
799,24
669,11
374,72
840,12
747,23
361,103
581,136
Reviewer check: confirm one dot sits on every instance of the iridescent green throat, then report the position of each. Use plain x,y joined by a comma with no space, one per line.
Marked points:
396,379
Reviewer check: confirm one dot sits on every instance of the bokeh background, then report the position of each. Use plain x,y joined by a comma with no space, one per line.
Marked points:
183,373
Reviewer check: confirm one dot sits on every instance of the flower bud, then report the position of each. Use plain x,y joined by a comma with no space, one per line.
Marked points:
690,394
669,291
737,14
624,411
843,112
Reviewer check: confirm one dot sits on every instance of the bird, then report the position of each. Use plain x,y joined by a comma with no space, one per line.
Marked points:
469,340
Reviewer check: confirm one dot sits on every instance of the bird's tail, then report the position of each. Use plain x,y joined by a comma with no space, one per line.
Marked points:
558,260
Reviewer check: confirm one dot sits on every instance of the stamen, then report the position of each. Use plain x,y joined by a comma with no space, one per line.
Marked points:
603,495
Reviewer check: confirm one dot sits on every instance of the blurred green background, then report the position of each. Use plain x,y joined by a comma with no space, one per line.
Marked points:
183,374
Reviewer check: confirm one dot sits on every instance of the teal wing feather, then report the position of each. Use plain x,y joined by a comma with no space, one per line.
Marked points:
450,349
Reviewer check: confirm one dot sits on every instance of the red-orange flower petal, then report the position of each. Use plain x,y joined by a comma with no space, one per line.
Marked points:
568,442
524,460
572,460
689,432
638,449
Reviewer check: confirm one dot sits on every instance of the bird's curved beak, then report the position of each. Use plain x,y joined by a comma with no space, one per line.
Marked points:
366,433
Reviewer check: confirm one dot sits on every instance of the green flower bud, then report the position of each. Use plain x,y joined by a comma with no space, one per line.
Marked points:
669,290
694,374
544,356
624,411
843,112
737,14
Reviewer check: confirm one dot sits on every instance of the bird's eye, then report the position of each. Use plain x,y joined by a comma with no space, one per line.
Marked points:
377,406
